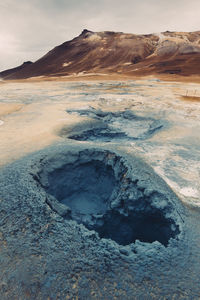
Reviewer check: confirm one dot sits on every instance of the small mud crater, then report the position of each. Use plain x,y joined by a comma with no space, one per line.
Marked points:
95,188
111,126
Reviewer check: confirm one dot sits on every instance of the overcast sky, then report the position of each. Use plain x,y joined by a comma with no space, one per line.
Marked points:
30,28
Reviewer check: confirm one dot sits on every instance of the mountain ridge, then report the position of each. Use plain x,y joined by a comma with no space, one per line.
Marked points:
119,53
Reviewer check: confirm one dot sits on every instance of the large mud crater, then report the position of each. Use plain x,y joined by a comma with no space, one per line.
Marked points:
95,188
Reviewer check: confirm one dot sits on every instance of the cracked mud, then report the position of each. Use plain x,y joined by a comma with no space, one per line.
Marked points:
109,126
99,194
136,226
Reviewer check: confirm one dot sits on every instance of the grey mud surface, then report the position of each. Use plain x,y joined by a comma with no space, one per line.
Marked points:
53,248
111,126
111,209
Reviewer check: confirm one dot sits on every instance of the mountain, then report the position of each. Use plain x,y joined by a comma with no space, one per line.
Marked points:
117,53
9,72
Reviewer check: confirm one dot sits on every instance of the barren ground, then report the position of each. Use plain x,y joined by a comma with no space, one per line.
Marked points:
116,138
33,114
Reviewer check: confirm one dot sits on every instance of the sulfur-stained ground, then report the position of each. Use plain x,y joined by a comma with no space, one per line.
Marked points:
148,123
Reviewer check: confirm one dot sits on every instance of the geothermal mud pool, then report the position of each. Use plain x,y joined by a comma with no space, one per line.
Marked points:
119,125
100,193
90,216
74,217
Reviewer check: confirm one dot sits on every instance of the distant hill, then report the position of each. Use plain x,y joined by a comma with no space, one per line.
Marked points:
9,72
117,53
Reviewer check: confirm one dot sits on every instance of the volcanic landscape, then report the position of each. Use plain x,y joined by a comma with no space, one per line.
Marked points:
99,170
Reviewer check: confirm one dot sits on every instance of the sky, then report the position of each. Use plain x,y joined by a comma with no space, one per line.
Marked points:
30,28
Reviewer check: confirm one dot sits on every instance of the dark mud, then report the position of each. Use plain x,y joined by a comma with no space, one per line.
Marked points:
64,236
110,126
99,194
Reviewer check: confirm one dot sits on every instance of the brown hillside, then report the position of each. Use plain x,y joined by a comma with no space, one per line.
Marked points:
116,52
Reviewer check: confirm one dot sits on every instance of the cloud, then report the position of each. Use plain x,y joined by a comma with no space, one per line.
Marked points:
28,29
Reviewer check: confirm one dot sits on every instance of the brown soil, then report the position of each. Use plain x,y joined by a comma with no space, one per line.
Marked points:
190,98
